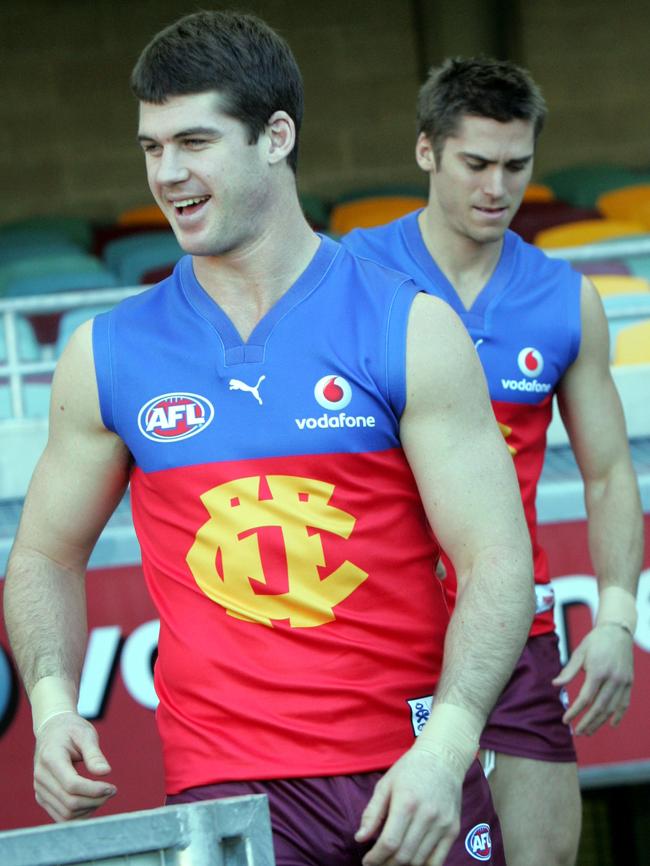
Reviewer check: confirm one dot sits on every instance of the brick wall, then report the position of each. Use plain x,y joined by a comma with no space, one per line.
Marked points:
591,58
68,119
67,140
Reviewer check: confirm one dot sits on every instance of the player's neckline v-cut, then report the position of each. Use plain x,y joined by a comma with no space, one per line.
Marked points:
475,315
251,351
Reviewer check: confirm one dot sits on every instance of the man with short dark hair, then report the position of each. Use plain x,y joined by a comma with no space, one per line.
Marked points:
288,422
539,330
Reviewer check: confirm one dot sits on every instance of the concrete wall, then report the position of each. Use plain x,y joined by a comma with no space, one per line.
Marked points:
68,119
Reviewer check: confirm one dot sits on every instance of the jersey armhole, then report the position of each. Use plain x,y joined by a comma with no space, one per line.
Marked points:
103,367
574,318
396,330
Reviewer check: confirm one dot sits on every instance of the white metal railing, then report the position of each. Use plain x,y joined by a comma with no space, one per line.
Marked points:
613,249
13,368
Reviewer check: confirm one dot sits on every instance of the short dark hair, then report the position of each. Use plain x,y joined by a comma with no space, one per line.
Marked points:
479,87
236,54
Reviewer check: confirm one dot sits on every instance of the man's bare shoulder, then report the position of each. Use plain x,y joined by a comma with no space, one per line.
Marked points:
75,399
438,343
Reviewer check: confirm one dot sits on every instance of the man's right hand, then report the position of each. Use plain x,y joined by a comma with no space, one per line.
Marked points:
63,742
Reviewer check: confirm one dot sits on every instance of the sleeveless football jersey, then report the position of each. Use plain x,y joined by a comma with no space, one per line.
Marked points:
283,539
525,325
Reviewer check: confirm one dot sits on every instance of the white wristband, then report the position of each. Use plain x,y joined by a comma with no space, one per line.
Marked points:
617,606
452,734
50,697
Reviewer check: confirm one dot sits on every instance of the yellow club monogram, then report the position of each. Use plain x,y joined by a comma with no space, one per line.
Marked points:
506,432
300,508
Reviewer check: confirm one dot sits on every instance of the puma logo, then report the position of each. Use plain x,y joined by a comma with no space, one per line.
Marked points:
238,385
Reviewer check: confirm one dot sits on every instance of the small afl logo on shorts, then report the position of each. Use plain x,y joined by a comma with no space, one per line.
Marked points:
478,842
333,392
531,362
175,416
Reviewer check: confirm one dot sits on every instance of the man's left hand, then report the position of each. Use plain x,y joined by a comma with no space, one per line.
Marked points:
606,657
418,803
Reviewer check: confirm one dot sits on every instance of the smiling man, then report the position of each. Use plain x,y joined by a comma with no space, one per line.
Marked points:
288,551
539,330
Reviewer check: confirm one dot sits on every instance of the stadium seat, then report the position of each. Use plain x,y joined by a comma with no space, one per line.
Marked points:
633,345
26,248
576,234
104,233
75,230
156,275
581,185
130,257
638,266
623,311
602,267
27,344
614,284
53,273
70,321
629,203
368,212
536,192
149,214
534,216
46,284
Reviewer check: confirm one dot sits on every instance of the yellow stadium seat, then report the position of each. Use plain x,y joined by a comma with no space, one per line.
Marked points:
627,203
587,232
633,345
374,211
146,215
619,284
538,192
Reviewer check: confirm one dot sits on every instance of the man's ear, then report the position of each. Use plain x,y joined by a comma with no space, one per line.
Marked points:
424,155
281,132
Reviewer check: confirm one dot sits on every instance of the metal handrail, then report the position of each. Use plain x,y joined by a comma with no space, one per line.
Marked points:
13,368
632,246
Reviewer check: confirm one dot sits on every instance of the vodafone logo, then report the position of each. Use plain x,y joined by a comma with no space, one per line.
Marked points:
531,362
333,392
175,416
478,842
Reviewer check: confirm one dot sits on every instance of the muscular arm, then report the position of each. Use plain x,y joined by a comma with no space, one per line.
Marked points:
76,485
592,413
469,489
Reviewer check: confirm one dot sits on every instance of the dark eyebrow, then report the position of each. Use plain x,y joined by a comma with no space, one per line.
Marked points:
477,156
185,133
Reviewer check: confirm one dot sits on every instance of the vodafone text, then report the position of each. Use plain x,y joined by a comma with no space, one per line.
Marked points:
338,420
525,385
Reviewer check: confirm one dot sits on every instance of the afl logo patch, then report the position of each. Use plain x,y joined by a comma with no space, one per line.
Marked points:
333,392
531,362
478,842
175,416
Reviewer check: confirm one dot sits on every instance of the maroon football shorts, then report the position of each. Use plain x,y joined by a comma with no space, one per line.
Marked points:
314,820
527,719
